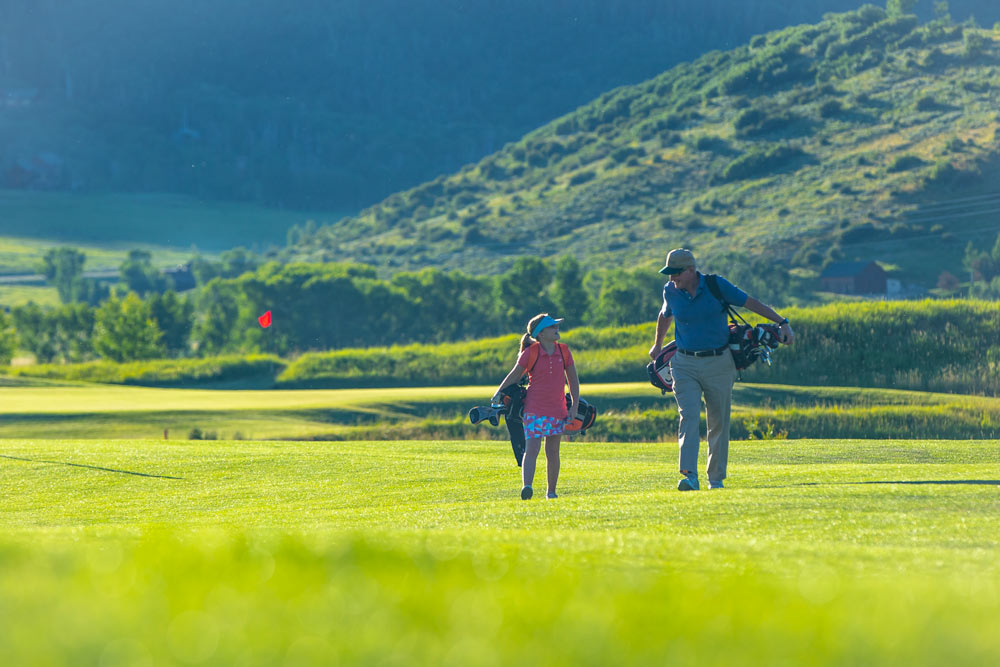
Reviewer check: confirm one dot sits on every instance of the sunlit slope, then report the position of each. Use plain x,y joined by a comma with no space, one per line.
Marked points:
863,136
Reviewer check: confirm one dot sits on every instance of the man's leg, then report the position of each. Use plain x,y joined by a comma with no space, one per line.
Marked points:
687,392
720,374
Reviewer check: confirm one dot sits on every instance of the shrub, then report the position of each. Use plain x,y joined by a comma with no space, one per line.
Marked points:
709,143
905,163
537,159
566,126
749,118
831,109
944,173
761,162
927,103
860,233
582,177
625,152
934,59
757,122
973,45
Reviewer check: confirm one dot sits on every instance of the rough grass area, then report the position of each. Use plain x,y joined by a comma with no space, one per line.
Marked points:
825,553
627,412
246,371
19,295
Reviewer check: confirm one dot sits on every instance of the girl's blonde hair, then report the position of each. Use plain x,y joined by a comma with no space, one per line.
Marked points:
526,339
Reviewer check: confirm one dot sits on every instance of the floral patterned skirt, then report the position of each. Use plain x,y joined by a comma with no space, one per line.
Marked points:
539,426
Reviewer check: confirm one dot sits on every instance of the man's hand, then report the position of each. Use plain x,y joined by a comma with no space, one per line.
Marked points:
787,335
655,351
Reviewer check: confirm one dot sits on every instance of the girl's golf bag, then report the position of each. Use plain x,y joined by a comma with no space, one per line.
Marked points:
512,411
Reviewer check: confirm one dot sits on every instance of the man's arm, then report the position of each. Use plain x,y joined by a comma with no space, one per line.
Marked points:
764,310
662,326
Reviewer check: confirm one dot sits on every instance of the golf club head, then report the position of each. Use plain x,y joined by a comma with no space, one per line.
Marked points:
482,413
767,335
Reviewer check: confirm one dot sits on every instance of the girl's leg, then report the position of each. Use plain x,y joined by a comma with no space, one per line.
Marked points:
552,460
531,448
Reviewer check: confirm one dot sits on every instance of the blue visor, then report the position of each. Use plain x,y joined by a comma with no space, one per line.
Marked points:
545,324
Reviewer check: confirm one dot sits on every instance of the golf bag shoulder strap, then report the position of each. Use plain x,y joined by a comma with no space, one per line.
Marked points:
535,349
712,280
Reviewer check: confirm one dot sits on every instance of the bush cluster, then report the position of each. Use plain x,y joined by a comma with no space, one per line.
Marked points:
760,162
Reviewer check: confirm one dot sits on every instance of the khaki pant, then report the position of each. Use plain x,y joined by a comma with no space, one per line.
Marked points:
713,377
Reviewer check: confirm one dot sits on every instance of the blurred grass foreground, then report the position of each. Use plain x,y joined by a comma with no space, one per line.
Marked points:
817,553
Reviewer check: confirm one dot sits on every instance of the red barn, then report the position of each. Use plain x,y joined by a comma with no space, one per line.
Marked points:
853,278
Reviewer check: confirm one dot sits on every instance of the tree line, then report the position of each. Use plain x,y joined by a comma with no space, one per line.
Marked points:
331,306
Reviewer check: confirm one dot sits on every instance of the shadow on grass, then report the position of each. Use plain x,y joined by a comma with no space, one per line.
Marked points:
983,482
82,465
987,482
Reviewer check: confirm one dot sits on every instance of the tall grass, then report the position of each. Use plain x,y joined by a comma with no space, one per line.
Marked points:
256,369
950,346
944,346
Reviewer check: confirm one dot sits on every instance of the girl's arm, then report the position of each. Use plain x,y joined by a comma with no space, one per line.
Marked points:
512,377
574,391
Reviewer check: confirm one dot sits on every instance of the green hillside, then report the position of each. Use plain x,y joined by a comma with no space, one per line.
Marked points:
864,136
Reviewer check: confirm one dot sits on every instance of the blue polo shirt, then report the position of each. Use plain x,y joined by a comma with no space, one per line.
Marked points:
700,322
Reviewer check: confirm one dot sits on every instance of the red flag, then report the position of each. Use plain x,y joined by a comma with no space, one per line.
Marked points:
265,319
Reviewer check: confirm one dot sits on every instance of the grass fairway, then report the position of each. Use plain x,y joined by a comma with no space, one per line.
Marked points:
816,553
42,408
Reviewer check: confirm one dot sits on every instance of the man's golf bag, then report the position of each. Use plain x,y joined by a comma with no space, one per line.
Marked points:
660,375
746,343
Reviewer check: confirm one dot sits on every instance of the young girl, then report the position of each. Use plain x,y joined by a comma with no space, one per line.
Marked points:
548,365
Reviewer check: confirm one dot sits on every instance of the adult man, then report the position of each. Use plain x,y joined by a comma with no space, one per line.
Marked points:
703,363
